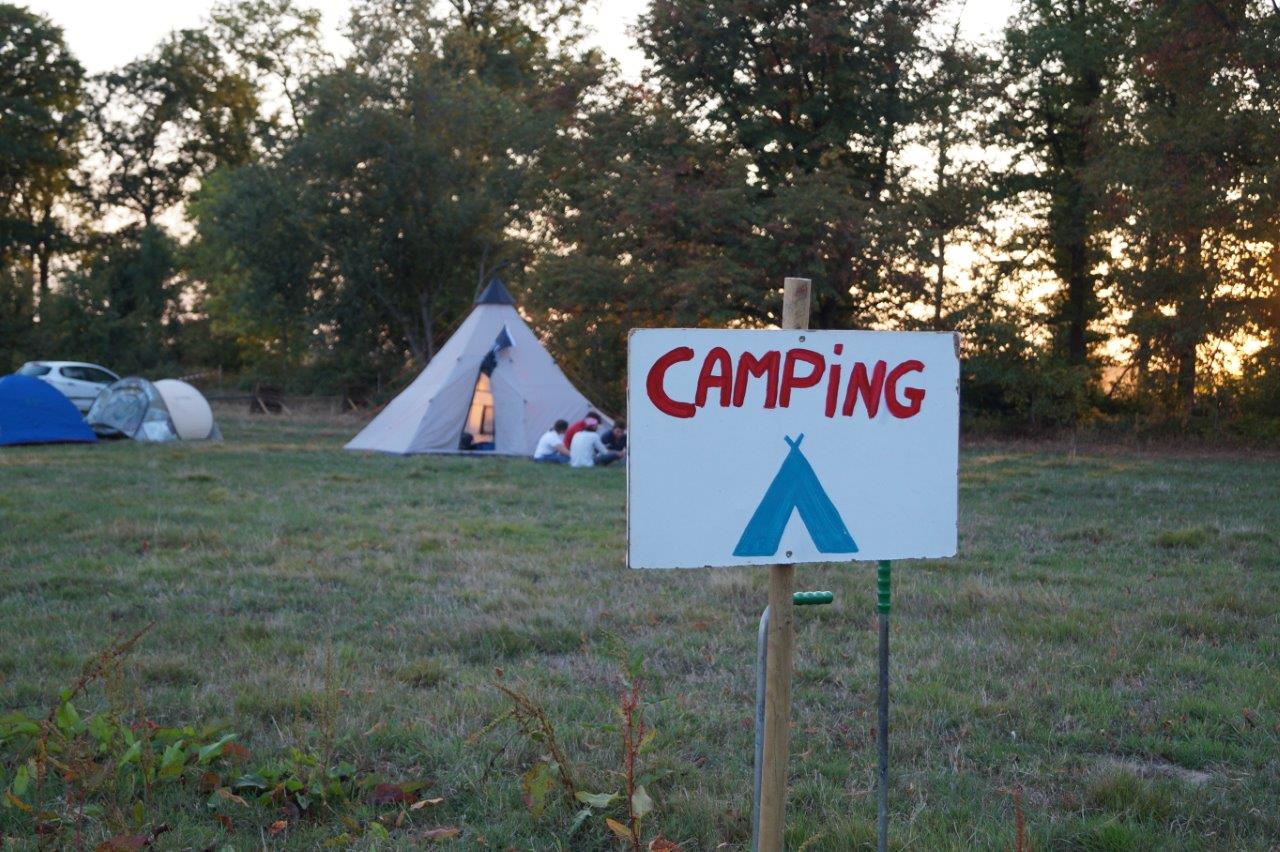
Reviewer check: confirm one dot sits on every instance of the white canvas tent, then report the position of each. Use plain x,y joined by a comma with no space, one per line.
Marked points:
491,380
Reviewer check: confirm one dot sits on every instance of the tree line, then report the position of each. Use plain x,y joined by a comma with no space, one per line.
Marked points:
1090,198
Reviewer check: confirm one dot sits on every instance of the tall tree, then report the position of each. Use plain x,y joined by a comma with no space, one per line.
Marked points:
818,95
277,45
424,145
643,221
122,305
410,166
948,202
259,255
164,121
1190,189
40,126
1060,57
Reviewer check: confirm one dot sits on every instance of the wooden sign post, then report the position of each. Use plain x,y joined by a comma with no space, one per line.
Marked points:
781,645
779,447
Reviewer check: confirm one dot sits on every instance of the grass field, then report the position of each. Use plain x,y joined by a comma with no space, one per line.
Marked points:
1107,646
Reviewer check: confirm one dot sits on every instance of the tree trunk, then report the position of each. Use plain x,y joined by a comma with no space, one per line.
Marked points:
40,257
1070,228
1142,360
42,254
426,348
940,221
940,280
1079,291
1191,320
1187,374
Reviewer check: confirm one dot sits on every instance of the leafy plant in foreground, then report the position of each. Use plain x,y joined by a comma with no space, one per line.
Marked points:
553,768
71,774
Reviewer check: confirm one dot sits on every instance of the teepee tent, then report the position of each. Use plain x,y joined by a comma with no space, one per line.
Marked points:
795,488
490,387
166,410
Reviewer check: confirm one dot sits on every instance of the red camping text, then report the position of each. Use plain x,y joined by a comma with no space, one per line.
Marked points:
786,375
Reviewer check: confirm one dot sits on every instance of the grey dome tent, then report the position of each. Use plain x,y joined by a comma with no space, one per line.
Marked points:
166,410
492,387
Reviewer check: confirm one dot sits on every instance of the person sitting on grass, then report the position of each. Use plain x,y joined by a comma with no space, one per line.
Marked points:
587,450
592,417
551,448
616,438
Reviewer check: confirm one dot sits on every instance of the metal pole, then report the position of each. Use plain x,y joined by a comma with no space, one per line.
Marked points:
762,659
883,578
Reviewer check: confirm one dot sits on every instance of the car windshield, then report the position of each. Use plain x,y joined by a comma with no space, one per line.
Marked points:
31,368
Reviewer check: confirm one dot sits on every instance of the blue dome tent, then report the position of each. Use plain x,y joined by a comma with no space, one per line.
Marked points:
34,412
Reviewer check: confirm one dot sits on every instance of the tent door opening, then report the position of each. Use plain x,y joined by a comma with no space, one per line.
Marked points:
478,432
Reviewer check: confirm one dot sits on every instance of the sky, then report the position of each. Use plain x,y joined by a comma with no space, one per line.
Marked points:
105,34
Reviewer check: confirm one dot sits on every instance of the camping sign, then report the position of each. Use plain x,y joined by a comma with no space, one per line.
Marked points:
764,447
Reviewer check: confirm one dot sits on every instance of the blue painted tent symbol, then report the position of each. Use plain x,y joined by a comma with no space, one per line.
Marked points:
795,487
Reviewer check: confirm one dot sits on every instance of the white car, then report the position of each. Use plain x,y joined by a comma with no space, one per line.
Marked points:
79,382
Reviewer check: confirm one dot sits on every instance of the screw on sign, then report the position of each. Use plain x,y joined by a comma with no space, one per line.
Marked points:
781,447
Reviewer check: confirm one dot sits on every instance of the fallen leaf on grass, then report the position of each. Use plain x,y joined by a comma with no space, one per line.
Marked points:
224,821
662,844
131,842
619,829
442,833
277,827
391,794
230,796
124,843
16,802
422,803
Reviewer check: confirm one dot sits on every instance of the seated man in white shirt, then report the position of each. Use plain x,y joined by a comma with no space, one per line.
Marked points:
587,450
551,448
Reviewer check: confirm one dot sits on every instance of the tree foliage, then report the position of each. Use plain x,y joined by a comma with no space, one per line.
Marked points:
819,98
410,167
1091,200
164,121
40,126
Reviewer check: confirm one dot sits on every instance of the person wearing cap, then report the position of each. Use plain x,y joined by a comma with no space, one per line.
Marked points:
587,450
592,417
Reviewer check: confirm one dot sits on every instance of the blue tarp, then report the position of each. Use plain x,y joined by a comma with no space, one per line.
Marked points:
34,412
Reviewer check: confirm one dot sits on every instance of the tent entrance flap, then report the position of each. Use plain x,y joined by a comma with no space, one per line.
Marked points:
478,432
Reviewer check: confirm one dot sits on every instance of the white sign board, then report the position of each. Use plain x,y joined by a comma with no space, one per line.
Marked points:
758,447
